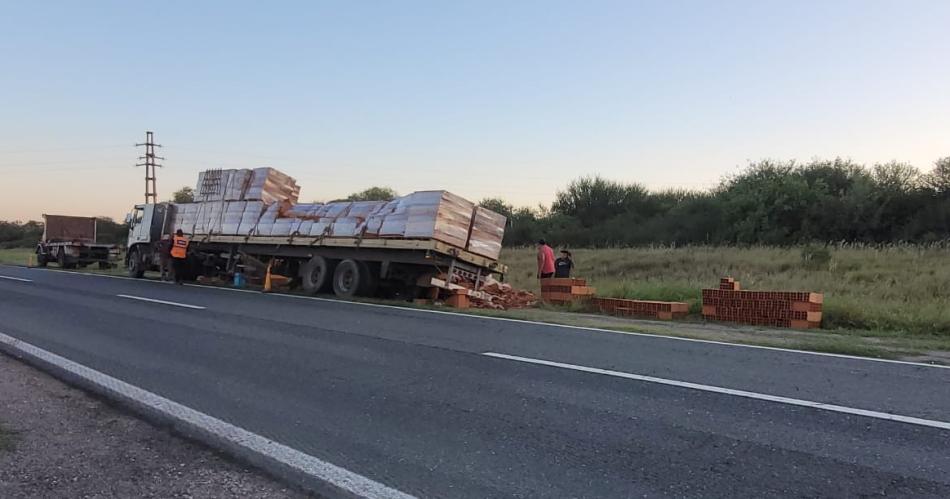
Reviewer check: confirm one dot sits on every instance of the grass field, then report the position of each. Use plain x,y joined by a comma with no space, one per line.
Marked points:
899,290
22,256
16,256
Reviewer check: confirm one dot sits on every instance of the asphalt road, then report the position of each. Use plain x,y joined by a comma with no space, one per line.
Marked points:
408,398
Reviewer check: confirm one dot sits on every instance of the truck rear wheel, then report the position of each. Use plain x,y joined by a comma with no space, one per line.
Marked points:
316,274
41,260
62,260
348,280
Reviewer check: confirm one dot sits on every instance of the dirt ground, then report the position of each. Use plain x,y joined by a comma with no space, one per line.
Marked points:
59,442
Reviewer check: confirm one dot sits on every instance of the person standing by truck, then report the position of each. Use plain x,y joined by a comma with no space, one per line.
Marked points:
545,260
179,254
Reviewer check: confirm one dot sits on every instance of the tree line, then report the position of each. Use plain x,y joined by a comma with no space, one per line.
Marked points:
769,202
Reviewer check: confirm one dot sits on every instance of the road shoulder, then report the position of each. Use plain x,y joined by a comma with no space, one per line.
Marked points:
58,441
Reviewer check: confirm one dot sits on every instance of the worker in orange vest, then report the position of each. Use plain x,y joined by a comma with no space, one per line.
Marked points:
179,254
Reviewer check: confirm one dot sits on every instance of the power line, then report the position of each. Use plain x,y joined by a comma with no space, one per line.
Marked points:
150,165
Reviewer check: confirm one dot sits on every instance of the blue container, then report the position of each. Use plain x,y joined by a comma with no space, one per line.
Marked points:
239,280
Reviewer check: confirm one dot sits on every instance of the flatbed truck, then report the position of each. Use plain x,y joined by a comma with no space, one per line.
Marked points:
70,242
347,266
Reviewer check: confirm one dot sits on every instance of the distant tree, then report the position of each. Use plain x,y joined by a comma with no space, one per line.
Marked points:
498,205
591,200
896,177
374,194
184,195
939,178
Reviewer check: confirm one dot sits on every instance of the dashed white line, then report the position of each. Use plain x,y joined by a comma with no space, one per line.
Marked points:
326,478
11,278
163,302
538,323
729,391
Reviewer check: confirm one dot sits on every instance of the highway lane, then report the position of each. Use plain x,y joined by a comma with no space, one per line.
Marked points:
407,398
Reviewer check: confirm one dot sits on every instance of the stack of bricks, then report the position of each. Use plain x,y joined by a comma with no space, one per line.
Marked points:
665,310
798,310
563,291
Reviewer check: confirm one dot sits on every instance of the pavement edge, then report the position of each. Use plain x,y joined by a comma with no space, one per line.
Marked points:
237,446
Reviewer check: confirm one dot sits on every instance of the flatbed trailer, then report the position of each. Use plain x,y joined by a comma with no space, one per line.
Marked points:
349,266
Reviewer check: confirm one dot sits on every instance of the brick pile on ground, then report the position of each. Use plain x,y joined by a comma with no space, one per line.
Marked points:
664,310
502,296
792,309
564,291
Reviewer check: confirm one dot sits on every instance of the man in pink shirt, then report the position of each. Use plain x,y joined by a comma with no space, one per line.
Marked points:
545,260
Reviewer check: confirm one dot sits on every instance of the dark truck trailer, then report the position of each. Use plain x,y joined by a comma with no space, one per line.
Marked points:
70,242
346,266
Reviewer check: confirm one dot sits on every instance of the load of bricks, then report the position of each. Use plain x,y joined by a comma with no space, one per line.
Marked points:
791,309
502,296
565,290
665,310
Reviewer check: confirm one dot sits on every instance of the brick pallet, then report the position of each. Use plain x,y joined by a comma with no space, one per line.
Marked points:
563,291
798,310
665,310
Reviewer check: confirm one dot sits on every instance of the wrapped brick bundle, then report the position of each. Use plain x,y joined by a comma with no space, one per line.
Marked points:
439,215
271,186
231,219
252,213
266,223
488,230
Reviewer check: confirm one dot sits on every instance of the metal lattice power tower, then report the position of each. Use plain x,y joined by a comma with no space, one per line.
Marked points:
151,195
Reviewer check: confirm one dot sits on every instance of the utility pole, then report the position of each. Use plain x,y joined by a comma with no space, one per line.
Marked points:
150,194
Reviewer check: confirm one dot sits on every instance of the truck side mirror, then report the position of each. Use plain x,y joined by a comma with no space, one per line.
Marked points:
128,218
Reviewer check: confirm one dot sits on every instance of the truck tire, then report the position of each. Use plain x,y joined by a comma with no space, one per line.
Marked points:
348,279
370,279
136,268
61,259
41,260
316,274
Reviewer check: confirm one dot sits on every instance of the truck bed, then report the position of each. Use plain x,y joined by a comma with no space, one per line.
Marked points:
432,245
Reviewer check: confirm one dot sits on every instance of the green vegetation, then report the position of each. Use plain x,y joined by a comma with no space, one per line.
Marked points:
27,234
771,203
16,256
899,289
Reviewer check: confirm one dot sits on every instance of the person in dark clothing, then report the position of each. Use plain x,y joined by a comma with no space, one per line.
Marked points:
164,257
564,265
179,254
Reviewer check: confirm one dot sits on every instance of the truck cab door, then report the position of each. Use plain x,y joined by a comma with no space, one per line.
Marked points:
139,224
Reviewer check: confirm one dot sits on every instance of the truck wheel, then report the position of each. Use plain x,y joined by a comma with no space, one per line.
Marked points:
347,279
136,268
61,259
369,278
41,260
315,274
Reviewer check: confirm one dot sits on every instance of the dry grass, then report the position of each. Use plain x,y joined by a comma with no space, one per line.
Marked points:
897,290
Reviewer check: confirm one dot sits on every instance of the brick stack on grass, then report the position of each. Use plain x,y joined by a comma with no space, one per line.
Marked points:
792,309
565,290
665,310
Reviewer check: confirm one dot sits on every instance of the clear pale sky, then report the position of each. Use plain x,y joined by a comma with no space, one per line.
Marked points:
509,99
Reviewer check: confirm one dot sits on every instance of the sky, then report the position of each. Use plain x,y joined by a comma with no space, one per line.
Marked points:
485,99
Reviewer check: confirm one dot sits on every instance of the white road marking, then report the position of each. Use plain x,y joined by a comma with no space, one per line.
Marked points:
163,302
535,323
729,391
209,429
15,278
